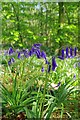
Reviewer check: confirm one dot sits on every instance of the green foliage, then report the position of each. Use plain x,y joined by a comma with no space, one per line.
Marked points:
27,23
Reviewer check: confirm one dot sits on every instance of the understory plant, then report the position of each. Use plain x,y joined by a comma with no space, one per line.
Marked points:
35,84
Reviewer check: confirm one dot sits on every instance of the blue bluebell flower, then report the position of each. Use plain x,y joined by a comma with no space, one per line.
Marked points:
49,68
42,69
57,86
74,77
46,61
30,53
11,61
26,53
75,51
67,52
61,57
19,55
54,65
62,53
38,54
10,51
71,52
38,45
35,51
43,54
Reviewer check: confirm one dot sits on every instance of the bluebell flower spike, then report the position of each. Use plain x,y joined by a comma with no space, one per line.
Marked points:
19,55
54,65
10,51
75,51
38,54
42,69
61,57
30,53
34,51
43,54
11,61
38,45
67,55
71,52
74,77
46,61
26,54
58,84
49,68
62,53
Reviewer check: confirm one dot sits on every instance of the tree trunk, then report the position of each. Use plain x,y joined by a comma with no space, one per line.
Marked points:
46,29
79,25
60,21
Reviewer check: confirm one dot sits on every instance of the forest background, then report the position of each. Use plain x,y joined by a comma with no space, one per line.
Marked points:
55,25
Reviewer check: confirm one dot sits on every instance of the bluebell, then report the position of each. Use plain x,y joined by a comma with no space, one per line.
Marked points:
11,61
42,69
10,51
54,65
